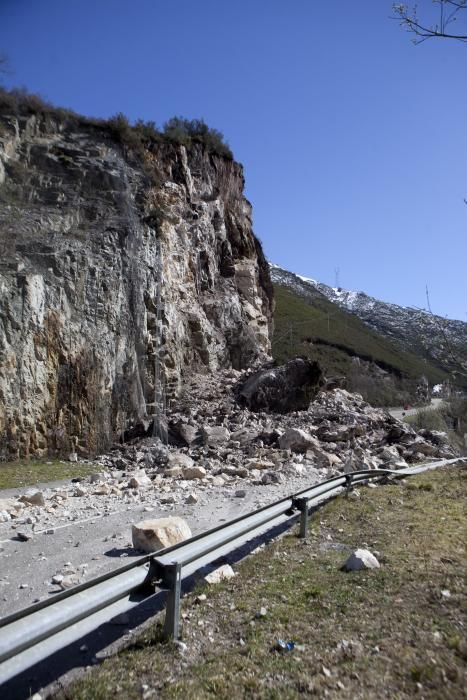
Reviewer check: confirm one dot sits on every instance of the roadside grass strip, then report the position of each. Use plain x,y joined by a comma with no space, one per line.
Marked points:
292,624
17,474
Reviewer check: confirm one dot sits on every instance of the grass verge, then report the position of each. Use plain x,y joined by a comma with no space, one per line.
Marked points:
386,633
16,474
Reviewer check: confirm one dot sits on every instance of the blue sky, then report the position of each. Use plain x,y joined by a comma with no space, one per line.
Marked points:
353,139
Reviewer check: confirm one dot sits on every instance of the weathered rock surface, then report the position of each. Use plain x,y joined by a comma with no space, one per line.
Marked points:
290,387
217,435
297,440
139,479
221,574
9,509
103,268
179,459
152,535
34,498
361,559
194,472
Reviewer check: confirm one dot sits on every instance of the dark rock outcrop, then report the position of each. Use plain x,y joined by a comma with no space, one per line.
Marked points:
290,387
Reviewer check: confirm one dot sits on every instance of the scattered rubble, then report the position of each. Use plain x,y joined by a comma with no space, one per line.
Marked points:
218,442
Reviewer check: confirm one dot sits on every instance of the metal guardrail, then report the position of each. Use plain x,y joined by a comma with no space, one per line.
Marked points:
33,634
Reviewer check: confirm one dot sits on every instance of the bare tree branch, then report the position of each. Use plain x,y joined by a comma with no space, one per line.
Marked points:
4,64
448,13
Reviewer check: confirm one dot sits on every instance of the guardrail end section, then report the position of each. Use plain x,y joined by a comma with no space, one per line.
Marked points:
173,581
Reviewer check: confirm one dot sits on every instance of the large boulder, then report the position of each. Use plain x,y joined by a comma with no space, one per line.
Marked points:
298,440
361,559
179,459
194,472
221,574
139,479
182,434
215,435
437,437
289,387
9,508
33,498
152,535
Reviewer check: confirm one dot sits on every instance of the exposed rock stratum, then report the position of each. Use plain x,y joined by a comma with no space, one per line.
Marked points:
117,275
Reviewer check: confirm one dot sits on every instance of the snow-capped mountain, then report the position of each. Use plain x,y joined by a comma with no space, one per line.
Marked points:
441,340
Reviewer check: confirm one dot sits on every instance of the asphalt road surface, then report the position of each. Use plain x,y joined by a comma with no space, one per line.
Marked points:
400,413
98,544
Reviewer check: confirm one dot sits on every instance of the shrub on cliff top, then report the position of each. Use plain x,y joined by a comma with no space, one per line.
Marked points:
187,131
133,136
21,102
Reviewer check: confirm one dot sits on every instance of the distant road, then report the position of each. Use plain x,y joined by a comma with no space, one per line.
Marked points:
400,413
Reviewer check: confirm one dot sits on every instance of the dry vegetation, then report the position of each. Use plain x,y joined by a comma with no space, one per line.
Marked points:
393,632
134,137
27,473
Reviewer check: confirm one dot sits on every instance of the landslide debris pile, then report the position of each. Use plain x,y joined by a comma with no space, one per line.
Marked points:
215,442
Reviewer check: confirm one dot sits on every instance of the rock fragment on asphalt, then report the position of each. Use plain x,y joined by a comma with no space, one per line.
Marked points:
33,498
152,535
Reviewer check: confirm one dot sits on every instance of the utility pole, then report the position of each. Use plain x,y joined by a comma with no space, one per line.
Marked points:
337,277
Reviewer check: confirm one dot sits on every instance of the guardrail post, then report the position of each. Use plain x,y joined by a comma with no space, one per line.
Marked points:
302,505
348,484
173,580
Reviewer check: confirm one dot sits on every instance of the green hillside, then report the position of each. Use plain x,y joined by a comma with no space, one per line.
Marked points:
317,328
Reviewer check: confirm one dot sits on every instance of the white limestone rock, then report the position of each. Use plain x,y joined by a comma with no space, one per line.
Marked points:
215,435
361,559
194,472
221,574
179,459
152,535
139,479
9,508
298,440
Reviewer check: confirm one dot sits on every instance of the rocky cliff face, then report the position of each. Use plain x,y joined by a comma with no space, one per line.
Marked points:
116,284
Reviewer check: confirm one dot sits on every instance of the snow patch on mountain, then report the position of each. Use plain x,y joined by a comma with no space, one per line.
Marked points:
416,330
